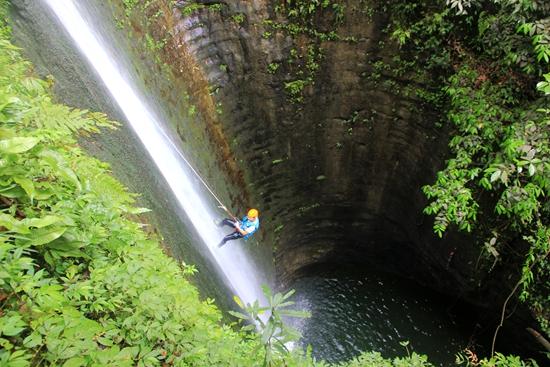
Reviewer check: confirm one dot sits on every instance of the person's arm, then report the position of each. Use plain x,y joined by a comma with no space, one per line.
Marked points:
242,231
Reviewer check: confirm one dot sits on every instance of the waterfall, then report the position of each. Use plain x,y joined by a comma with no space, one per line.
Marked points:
240,273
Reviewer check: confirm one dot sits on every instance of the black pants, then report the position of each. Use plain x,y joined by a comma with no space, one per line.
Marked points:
232,236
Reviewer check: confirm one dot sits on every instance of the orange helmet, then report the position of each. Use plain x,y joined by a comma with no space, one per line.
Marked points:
252,213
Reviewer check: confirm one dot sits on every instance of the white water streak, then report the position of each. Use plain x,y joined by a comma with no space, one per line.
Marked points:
243,277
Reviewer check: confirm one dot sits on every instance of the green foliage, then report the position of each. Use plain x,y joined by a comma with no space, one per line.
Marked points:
238,18
461,6
544,86
306,63
469,359
305,11
129,5
500,163
191,7
79,281
401,36
273,67
374,359
540,34
274,334
192,110
216,7
295,88
500,34
305,18
153,45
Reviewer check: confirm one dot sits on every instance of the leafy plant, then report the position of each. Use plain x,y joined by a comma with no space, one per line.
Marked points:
78,279
303,19
375,359
469,359
273,67
191,8
238,18
268,321
500,146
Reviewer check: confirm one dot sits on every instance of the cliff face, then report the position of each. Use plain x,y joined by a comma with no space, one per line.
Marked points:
336,168
332,138
327,134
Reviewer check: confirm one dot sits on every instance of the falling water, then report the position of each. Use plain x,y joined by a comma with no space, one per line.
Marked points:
240,274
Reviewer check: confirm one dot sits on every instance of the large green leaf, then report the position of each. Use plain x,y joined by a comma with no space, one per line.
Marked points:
13,224
14,192
295,313
33,340
44,221
238,301
22,226
43,236
17,144
267,333
238,315
75,362
6,133
27,185
63,248
11,324
60,167
43,193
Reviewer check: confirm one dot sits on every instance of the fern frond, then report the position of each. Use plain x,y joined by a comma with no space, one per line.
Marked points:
60,120
94,175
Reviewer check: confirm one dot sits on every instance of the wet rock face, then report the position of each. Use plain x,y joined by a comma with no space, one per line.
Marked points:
337,177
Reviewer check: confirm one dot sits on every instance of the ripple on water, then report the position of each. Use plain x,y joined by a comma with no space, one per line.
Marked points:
374,313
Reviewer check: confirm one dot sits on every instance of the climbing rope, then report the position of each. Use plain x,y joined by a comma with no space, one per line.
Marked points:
221,206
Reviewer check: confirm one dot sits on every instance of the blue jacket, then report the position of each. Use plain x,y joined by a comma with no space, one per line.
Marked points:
246,225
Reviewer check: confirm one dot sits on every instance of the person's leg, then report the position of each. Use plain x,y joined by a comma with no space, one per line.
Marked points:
230,237
227,222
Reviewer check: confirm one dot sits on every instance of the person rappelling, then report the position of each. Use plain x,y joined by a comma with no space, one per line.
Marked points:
244,228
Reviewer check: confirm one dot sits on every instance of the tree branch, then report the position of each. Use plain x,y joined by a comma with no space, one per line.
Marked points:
541,339
506,302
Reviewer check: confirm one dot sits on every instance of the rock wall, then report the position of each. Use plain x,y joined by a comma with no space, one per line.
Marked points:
337,177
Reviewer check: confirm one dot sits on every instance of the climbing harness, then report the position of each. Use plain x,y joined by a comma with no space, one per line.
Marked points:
246,224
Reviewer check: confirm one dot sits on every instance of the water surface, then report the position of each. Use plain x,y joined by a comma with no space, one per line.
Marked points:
375,313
